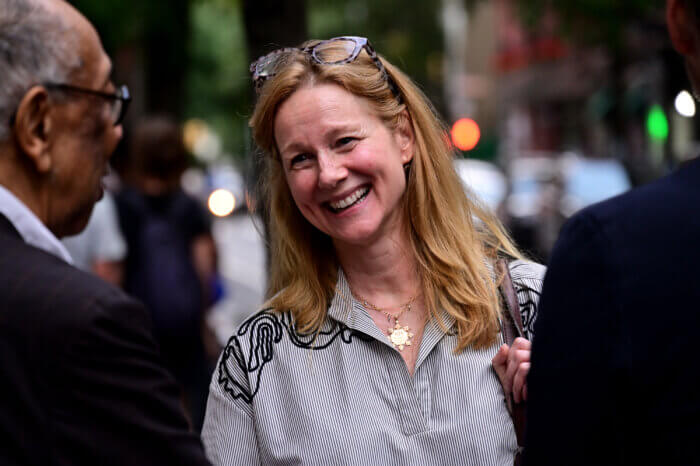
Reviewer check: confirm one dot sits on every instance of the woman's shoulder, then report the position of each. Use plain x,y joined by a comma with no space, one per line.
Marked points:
271,338
268,327
527,273
264,321
253,340
247,351
527,280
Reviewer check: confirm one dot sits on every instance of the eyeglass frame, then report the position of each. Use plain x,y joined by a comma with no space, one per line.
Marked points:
122,93
360,44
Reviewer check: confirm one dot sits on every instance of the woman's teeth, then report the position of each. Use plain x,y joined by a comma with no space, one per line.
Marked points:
350,200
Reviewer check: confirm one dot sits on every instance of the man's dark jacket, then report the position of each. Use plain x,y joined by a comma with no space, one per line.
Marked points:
81,381
615,375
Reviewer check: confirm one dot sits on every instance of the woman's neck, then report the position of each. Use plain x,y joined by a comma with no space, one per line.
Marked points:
385,273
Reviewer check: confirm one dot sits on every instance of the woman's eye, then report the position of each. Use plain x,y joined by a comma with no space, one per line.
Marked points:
297,159
345,141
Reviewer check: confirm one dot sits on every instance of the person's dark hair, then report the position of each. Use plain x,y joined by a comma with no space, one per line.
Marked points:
157,149
692,9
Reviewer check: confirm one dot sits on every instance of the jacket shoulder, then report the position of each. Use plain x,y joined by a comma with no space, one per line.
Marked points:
36,286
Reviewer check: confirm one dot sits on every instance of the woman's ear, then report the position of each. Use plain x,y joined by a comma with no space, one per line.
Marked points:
682,27
405,137
32,126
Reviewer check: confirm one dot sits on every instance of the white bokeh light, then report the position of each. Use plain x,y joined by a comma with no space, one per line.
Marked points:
221,202
685,104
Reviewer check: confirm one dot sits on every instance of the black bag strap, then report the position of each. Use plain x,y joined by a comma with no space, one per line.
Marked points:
511,328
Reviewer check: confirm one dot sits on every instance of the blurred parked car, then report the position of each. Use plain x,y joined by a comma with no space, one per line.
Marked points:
547,189
484,179
588,181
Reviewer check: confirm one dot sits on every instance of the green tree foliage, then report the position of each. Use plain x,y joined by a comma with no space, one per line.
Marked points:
218,81
158,31
118,22
409,34
195,54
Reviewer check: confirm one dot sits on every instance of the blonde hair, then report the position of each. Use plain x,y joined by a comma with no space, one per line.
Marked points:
451,248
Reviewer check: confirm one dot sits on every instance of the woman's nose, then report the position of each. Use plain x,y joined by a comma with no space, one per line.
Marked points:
331,171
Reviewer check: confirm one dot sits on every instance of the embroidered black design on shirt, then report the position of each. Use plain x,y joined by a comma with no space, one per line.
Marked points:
324,338
263,330
528,307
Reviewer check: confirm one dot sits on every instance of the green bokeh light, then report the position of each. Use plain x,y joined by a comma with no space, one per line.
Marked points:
657,123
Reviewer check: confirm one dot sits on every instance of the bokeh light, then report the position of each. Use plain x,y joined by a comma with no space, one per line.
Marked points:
221,202
657,123
685,104
465,134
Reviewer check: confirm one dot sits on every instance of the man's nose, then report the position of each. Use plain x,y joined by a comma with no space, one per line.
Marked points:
331,171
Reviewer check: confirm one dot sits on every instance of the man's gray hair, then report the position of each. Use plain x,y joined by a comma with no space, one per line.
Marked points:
36,46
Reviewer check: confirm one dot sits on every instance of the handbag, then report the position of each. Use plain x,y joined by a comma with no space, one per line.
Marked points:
511,328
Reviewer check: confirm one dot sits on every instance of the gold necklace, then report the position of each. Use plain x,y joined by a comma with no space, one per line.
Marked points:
400,335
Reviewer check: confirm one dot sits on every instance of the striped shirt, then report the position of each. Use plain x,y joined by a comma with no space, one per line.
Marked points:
279,397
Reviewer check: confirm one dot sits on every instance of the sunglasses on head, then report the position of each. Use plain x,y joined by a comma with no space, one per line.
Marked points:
335,51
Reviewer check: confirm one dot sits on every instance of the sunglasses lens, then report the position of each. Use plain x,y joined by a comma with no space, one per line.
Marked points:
334,52
269,65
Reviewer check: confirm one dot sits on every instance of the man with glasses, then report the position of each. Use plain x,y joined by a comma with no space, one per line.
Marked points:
615,375
81,381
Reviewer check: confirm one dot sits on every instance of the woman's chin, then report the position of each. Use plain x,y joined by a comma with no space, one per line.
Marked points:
355,239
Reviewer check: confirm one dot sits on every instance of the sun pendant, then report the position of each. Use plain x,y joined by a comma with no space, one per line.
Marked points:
400,336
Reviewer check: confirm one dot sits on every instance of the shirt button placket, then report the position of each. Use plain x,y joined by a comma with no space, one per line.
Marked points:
408,403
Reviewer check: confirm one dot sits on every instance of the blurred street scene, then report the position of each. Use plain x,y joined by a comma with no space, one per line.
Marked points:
551,106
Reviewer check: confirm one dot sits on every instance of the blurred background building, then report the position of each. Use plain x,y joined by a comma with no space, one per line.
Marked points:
552,105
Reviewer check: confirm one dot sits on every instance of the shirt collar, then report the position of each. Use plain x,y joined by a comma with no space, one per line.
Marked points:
346,309
29,226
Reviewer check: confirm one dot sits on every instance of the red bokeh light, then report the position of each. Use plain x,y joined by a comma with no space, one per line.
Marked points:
465,134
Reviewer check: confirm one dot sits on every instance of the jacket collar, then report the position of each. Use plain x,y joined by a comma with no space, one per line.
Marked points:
29,227
7,226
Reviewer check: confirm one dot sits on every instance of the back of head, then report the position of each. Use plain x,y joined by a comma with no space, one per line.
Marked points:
36,46
683,18
157,150
448,245
692,8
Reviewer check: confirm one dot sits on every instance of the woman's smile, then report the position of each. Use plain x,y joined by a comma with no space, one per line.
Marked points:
354,199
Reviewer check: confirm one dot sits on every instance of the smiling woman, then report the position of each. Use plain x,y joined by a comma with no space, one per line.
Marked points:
343,166
380,269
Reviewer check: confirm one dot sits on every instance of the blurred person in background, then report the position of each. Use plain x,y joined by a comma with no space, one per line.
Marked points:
615,373
381,333
549,214
171,263
81,379
100,248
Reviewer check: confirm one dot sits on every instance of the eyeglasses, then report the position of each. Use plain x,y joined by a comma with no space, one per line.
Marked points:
335,51
120,99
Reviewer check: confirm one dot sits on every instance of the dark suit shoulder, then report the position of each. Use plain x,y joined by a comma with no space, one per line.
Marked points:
38,287
87,382
623,280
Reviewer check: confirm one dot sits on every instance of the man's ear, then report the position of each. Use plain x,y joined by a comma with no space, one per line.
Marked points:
405,137
32,126
682,27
